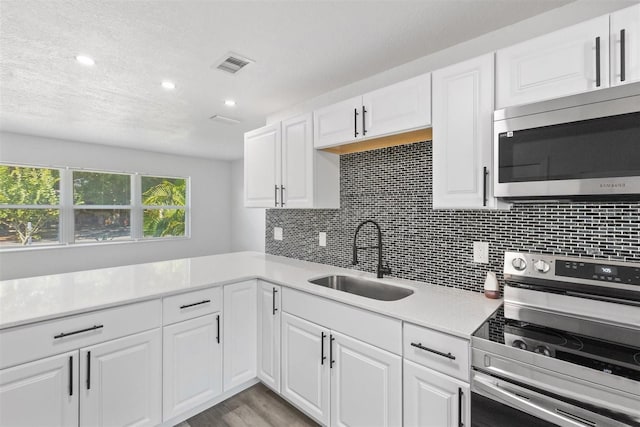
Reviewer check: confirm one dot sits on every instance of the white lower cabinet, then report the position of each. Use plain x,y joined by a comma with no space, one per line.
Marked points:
305,366
366,384
239,333
192,364
121,382
432,399
338,380
41,393
269,331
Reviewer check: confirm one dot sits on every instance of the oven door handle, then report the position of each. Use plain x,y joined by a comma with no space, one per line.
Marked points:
490,387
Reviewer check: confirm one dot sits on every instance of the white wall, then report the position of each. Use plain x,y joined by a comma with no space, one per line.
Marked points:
247,224
210,199
555,19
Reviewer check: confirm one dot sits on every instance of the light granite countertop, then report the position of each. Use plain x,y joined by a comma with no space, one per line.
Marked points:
28,300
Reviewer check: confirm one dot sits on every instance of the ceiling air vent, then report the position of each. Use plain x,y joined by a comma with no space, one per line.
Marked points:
222,119
232,63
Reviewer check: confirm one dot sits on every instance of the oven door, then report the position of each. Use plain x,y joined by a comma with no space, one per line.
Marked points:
496,402
583,150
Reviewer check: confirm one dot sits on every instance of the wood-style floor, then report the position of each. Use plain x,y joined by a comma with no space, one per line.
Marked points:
257,406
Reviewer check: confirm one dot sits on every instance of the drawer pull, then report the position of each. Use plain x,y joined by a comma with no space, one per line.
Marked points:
206,301
439,353
66,334
273,295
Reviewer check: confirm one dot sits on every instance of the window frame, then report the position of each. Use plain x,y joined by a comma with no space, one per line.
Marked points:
67,208
186,207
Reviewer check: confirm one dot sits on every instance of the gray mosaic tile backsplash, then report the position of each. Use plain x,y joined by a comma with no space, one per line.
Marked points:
393,187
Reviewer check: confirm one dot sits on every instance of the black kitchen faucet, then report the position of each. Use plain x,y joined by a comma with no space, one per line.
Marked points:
381,270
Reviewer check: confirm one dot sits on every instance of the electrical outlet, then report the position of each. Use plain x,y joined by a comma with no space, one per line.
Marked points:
277,233
322,238
481,252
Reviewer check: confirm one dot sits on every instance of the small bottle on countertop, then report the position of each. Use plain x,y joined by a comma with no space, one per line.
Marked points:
491,287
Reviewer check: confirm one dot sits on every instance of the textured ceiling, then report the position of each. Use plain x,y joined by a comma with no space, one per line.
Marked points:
302,49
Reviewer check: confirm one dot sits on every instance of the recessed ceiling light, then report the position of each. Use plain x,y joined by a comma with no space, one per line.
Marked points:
229,102
168,85
85,60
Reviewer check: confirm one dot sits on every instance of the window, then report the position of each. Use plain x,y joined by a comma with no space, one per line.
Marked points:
101,206
61,206
29,206
163,204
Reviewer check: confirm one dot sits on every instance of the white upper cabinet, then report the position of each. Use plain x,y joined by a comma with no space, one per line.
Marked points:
402,106
462,134
337,123
625,45
283,170
565,62
261,167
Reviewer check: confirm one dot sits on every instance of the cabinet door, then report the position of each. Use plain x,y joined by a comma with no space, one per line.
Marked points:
432,399
239,336
462,134
625,31
305,366
269,334
192,364
40,393
397,108
338,123
554,65
297,162
262,167
366,384
121,381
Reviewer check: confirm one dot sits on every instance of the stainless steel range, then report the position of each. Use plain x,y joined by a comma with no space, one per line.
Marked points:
567,349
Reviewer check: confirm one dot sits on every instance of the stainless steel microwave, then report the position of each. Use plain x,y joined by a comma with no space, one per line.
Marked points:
580,146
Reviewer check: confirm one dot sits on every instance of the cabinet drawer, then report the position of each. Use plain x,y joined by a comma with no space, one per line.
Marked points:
30,342
435,350
373,328
191,304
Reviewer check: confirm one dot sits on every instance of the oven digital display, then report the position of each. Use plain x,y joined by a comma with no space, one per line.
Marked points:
606,270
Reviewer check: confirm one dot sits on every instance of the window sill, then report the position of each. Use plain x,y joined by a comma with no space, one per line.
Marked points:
11,249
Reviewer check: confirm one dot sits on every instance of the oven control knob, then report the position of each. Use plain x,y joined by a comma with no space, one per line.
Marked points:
541,349
519,344
541,265
519,263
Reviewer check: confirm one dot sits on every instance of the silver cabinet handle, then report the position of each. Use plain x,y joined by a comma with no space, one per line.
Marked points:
275,196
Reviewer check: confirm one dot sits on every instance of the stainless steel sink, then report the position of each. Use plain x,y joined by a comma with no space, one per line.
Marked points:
363,287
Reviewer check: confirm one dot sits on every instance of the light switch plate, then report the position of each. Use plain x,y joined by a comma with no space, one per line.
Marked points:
277,233
322,238
481,252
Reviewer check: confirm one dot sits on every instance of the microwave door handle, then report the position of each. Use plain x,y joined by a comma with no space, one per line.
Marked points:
523,404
